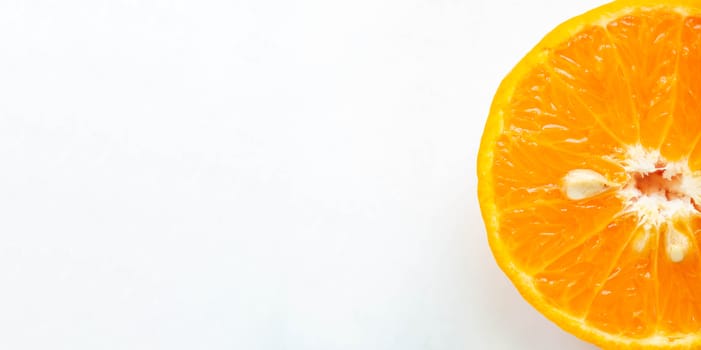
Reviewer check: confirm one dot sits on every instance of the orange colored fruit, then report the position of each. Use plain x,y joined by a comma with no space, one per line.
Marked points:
590,175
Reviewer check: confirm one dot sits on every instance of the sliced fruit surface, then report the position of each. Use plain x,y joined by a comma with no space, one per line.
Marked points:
590,175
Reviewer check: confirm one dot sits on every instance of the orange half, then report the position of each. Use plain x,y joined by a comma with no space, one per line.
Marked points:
590,175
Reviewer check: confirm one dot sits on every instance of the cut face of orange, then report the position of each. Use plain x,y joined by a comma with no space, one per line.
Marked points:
590,175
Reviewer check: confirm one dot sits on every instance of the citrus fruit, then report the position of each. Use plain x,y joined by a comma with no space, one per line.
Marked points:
590,175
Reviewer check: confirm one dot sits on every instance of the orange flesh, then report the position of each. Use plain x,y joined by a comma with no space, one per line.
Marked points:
634,81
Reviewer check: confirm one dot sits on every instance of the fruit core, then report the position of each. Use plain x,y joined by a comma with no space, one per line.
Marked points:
662,195
657,183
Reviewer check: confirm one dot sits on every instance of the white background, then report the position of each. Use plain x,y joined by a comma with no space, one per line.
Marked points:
256,174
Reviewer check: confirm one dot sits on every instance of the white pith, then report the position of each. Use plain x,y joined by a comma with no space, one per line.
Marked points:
657,213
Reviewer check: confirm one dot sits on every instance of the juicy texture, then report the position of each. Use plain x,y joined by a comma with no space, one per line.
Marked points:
625,75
